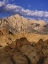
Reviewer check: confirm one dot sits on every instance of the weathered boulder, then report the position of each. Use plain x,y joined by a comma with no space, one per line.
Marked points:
46,44
31,52
45,52
5,59
39,45
45,61
21,42
19,58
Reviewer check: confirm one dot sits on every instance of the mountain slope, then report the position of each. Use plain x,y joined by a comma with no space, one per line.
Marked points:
16,23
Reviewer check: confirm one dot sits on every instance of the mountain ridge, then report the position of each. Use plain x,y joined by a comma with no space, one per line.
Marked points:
17,23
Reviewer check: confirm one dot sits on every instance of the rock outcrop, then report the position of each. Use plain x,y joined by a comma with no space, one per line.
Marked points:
22,52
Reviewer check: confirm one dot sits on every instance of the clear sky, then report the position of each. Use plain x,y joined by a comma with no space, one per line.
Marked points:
32,4
34,9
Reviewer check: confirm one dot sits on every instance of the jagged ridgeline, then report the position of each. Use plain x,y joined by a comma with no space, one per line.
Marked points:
19,24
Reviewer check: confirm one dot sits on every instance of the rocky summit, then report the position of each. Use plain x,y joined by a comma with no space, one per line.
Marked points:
23,41
17,24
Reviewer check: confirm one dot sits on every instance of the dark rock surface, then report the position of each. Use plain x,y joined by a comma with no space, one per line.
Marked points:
22,52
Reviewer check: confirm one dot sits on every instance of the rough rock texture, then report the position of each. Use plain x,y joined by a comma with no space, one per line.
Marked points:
45,61
22,52
5,59
19,58
17,23
31,52
22,48
35,55
12,57
7,38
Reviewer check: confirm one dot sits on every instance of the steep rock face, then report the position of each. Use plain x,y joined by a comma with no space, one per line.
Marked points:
19,58
16,23
31,52
22,52
12,57
5,59
7,37
45,61
36,56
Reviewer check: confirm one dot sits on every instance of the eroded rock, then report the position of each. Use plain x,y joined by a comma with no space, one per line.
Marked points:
5,59
19,58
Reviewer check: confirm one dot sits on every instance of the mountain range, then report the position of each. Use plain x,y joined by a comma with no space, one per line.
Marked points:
23,41
19,24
